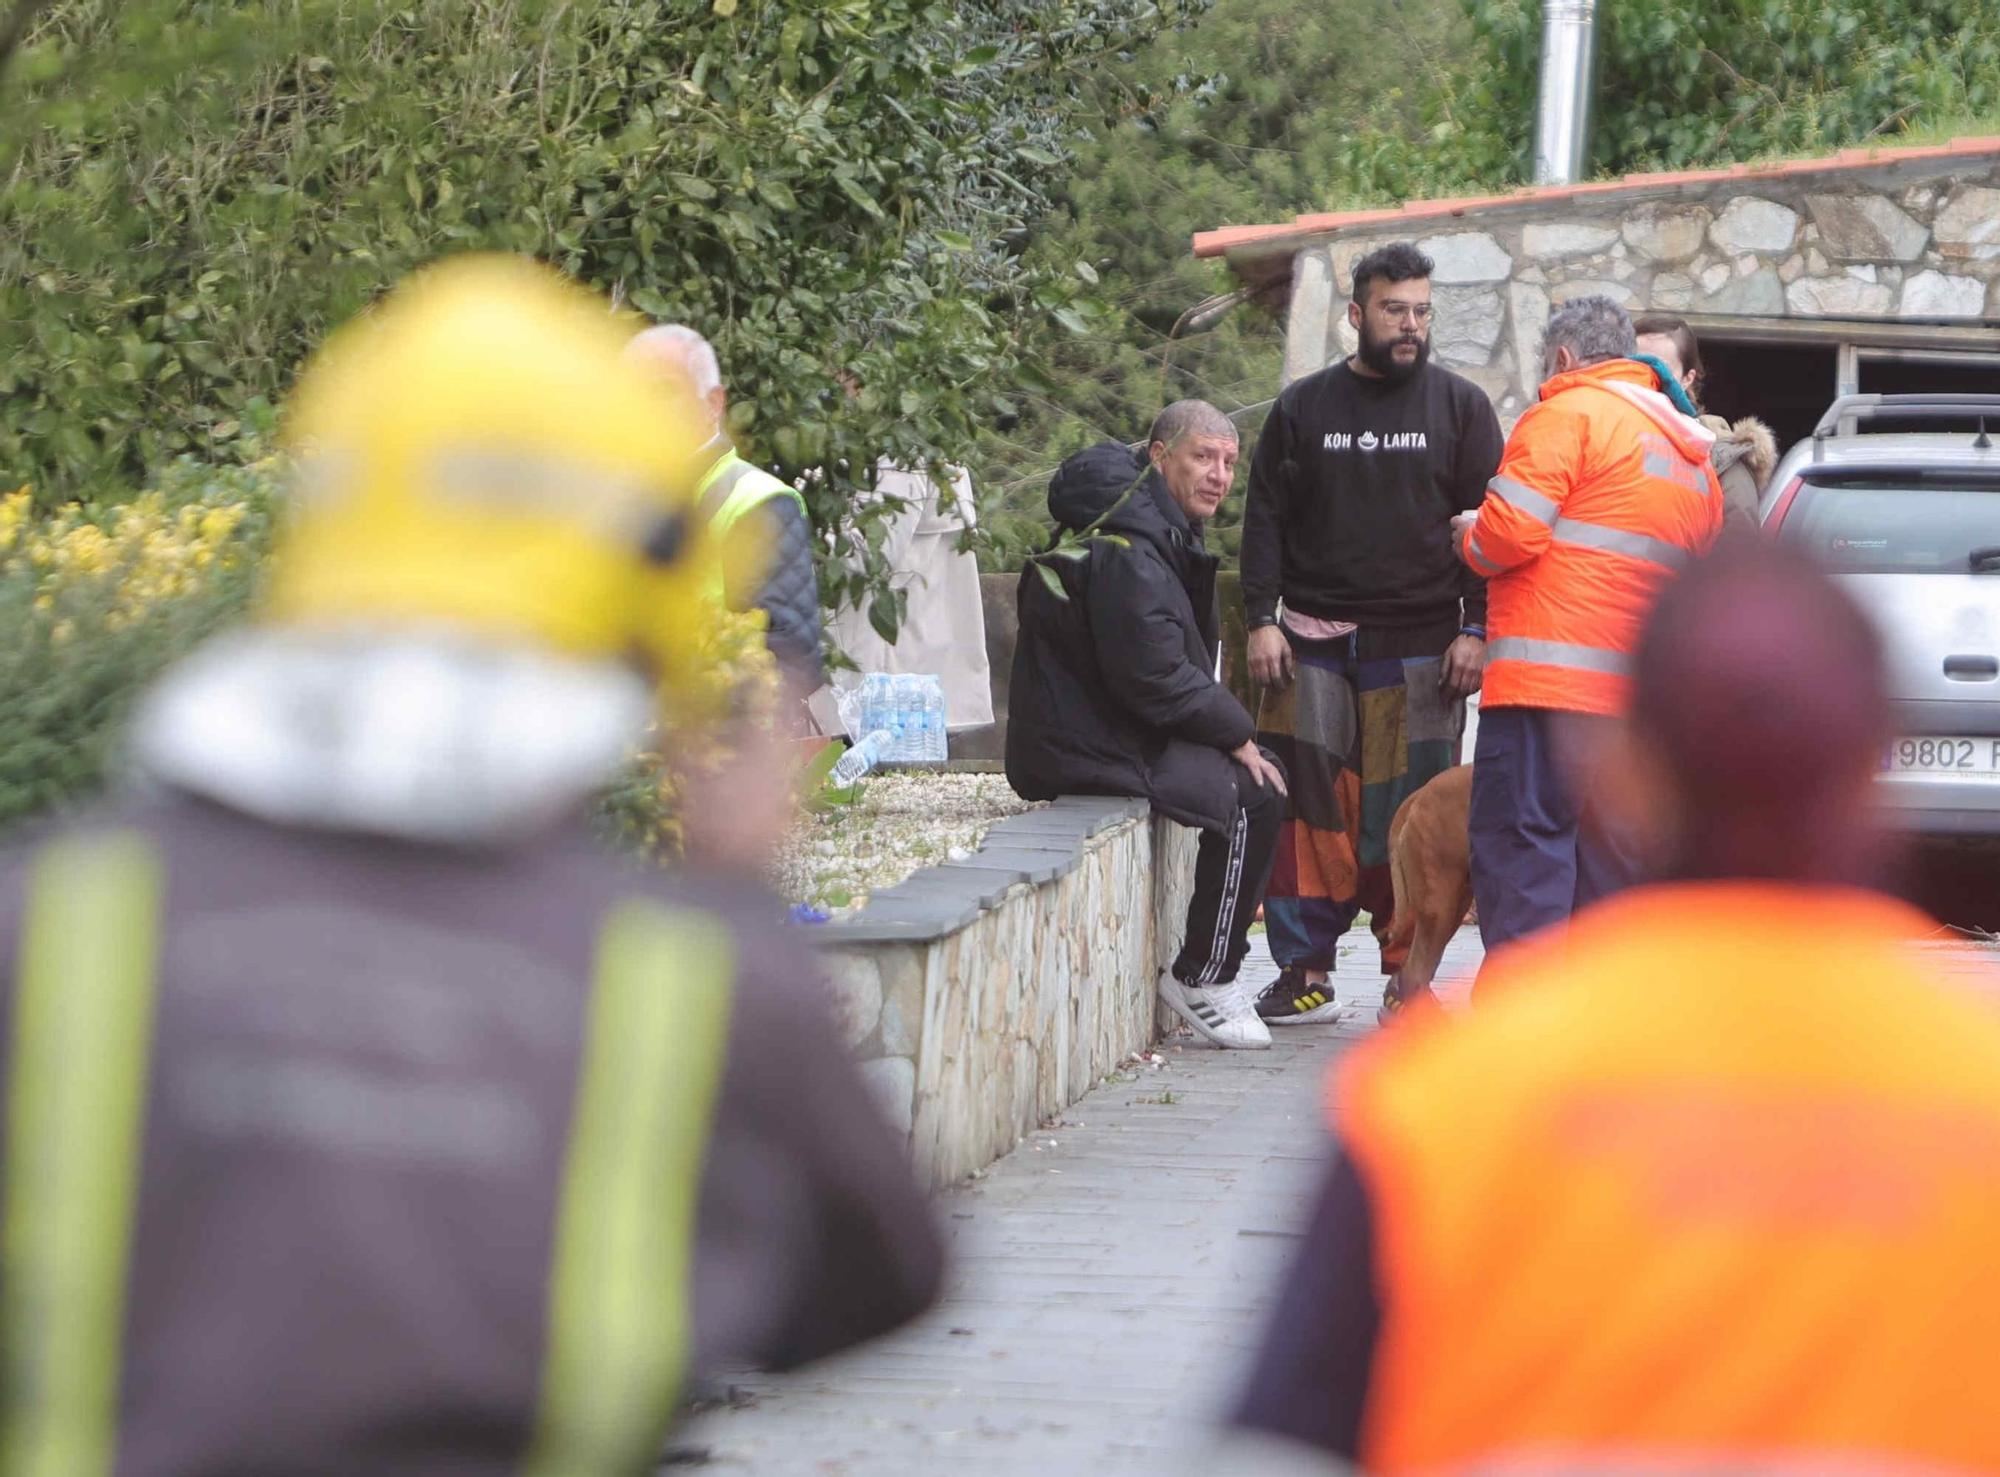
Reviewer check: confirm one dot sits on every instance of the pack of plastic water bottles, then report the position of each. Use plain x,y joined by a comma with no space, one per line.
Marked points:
895,720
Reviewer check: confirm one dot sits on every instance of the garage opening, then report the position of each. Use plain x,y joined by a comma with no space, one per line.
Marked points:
1912,371
1787,386
1787,371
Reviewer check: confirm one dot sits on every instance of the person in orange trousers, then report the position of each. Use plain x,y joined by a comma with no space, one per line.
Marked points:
1708,1180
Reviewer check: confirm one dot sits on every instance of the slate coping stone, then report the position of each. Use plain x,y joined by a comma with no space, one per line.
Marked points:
909,918
1034,847
1035,864
983,885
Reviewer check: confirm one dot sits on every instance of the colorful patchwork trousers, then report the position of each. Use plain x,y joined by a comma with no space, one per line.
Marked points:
1364,724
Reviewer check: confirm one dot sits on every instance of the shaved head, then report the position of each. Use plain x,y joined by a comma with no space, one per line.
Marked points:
1761,696
675,346
684,363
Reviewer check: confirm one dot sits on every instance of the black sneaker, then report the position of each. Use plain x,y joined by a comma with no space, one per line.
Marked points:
1290,1001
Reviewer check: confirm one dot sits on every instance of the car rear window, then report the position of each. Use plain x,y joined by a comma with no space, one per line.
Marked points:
1894,530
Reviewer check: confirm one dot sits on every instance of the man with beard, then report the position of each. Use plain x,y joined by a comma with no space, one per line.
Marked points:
1366,634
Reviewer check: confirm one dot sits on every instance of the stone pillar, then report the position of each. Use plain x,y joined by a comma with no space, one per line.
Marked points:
1312,300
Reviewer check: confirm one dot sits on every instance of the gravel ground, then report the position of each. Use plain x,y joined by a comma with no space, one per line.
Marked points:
900,823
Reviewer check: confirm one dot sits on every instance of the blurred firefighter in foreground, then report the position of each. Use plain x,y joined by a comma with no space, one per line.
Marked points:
360,1114
1710,1182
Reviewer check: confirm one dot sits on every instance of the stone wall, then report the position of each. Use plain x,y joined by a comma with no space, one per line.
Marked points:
985,996
1917,240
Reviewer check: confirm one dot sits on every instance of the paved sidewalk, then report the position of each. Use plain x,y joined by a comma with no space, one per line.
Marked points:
1108,1281
1109,1276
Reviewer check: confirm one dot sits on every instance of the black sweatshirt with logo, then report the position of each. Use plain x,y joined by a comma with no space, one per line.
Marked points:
1352,492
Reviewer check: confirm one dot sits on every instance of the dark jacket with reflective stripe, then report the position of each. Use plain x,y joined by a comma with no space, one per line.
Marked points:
363,1068
1113,689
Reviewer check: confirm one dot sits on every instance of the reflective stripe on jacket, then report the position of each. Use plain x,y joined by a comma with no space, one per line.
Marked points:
618,1318
1710,1182
1603,493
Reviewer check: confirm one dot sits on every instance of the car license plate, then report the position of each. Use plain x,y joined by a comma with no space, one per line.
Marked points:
1975,757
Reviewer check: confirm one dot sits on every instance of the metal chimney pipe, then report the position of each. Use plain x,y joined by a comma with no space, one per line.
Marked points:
1562,116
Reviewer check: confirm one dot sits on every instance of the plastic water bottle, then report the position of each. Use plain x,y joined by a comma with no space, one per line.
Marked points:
863,757
934,722
878,702
909,720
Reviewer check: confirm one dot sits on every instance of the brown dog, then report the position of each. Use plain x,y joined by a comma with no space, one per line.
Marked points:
1430,867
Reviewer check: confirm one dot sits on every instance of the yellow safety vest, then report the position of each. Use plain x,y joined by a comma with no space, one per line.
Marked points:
726,493
619,1322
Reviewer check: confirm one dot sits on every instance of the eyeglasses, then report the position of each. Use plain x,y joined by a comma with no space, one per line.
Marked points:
1406,312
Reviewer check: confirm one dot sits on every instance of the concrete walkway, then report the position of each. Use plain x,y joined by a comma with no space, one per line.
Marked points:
1110,1276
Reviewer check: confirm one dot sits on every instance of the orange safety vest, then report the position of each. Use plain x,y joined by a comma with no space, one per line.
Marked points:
1603,493
1712,1177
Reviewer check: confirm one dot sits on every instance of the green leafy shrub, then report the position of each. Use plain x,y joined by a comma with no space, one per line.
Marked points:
837,191
1690,82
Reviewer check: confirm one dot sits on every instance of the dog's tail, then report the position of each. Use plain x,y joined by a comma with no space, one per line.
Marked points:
1402,922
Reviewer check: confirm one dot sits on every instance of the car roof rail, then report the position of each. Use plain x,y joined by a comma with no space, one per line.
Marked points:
1850,412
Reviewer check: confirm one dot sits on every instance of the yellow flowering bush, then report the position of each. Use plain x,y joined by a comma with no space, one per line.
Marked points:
96,600
105,598
142,553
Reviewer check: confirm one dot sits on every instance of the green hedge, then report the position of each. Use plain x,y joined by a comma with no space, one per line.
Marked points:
193,191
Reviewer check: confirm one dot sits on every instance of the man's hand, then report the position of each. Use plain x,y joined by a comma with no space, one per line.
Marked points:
736,811
1262,770
1270,657
1461,525
1464,666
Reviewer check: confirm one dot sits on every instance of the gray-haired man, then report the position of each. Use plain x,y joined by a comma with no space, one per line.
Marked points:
733,493
1114,690
1605,491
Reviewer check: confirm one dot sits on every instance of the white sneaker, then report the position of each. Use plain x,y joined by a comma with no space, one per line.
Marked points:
1222,1014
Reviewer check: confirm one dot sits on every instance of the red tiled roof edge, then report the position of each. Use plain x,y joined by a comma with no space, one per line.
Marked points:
1225,239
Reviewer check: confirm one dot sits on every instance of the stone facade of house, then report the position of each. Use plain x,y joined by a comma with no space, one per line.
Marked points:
1908,240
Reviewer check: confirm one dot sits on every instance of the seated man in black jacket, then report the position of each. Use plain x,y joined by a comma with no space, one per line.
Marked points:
1115,692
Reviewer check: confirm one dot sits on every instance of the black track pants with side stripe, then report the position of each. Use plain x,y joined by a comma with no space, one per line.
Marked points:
1230,871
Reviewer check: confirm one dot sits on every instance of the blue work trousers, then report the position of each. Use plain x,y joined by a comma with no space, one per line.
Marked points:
1533,861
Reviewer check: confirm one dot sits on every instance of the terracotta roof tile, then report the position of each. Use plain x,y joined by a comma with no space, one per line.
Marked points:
1480,202
1224,239
1427,208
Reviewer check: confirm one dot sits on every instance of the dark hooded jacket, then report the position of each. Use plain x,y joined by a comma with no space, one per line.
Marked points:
1114,689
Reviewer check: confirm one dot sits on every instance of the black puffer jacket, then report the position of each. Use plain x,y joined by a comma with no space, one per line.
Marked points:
1114,689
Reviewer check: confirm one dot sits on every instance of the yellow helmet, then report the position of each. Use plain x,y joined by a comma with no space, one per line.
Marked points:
476,454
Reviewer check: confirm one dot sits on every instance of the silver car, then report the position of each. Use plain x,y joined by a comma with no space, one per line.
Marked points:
1910,521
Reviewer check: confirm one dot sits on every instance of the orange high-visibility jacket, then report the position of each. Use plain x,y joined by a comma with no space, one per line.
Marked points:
1604,491
1712,1177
